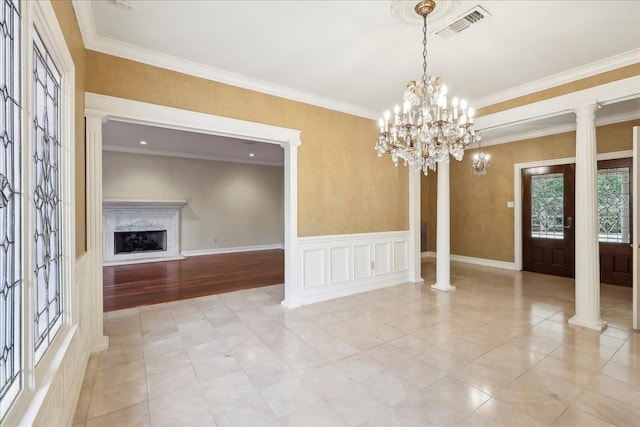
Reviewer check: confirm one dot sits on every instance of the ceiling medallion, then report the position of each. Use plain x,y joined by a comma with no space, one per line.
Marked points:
404,13
427,130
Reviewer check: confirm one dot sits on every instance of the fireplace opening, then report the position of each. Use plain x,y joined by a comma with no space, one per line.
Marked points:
140,241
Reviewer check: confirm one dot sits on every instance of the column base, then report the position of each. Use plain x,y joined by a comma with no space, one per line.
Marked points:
599,325
443,288
289,304
419,281
101,343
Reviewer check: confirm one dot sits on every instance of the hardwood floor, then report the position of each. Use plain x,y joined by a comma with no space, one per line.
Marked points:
133,285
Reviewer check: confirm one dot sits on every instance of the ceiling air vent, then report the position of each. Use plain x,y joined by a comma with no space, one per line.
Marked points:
462,23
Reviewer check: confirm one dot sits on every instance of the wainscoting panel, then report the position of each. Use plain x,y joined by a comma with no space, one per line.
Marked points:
339,264
400,259
361,261
335,266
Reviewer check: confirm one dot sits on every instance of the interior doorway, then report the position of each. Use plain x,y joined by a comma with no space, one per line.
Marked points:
548,215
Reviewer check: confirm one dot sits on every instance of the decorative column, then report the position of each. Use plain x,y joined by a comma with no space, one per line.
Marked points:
292,282
415,255
95,306
443,244
587,256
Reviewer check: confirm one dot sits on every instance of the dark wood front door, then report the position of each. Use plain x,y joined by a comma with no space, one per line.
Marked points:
615,221
548,217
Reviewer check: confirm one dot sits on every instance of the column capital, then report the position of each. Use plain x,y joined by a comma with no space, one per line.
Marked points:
95,114
586,110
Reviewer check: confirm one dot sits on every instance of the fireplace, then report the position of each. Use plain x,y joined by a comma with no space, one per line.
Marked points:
140,241
141,231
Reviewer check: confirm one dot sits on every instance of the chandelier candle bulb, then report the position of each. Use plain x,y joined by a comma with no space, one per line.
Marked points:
428,131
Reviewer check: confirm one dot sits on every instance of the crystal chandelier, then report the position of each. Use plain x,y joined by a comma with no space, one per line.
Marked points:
480,162
427,129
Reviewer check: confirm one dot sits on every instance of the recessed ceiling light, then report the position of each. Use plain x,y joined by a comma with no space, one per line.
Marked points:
143,142
251,155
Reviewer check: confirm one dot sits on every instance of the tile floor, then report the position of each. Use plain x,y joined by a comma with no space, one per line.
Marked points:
497,351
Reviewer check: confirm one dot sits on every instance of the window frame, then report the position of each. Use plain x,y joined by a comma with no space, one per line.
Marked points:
37,376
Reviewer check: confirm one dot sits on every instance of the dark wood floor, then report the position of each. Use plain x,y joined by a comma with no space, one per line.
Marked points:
133,285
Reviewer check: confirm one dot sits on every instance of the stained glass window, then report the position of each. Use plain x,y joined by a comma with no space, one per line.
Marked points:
10,201
547,206
613,205
46,194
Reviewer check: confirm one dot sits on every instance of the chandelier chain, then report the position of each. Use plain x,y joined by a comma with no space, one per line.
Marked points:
424,50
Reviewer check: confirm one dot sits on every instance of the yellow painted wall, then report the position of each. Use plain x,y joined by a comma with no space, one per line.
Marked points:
69,24
585,83
343,187
481,223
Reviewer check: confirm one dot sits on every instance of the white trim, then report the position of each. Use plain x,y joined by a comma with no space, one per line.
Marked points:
339,265
636,230
156,152
617,91
215,251
517,193
111,108
569,127
484,262
505,265
568,76
142,261
98,43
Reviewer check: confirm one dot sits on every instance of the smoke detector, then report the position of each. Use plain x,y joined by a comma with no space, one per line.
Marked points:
463,22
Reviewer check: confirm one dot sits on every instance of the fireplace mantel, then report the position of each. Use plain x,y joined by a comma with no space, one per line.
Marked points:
141,216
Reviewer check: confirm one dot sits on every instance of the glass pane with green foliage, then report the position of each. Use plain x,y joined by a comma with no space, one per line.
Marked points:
547,206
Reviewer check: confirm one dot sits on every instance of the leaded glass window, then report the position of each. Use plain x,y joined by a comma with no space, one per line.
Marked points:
10,201
46,195
547,206
613,205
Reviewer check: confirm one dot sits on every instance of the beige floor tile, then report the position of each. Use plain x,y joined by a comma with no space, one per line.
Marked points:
616,389
355,404
403,355
318,414
458,395
118,397
550,385
286,396
608,409
119,374
573,418
495,413
531,402
133,416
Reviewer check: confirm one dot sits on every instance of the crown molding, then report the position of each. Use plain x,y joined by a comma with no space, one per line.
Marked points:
166,153
568,76
93,41
554,130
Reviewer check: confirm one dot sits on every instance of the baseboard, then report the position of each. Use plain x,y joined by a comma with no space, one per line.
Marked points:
477,261
216,251
142,261
370,285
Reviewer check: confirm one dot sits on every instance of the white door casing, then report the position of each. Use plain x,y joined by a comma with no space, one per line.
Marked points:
99,108
636,233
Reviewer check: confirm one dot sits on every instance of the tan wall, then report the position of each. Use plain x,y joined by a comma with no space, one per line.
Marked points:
235,203
343,187
585,83
481,223
67,19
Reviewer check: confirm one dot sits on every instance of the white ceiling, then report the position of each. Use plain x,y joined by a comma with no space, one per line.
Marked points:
126,137
354,56
356,53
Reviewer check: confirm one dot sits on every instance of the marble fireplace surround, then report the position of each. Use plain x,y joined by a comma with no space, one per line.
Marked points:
141,215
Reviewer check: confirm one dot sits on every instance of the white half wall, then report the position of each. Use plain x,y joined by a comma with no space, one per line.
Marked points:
335,266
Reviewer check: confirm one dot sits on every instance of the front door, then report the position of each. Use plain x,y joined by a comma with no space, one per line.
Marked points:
548,213
614,217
